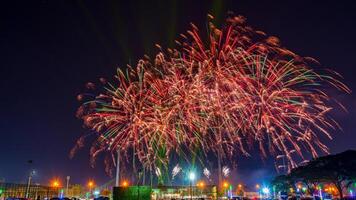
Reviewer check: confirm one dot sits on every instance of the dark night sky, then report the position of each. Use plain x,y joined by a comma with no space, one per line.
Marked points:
50,49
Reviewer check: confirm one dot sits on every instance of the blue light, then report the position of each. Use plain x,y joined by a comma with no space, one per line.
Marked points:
191,176
96,192
265,190
61,194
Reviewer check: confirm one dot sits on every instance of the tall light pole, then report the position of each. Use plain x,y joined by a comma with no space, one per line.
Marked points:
117,181
258,190
56,184
191,179
225,186
201,185
32,172
67,186
266,192
91,185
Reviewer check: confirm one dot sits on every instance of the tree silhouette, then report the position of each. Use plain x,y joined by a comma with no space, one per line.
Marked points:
339,169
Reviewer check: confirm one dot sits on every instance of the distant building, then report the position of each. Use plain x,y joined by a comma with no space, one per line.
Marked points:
252,195
76,190
35,191
184,192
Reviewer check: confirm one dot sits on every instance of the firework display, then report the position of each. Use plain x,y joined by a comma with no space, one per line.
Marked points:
225,95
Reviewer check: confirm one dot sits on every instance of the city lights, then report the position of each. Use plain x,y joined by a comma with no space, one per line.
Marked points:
258,186
201,184
304,189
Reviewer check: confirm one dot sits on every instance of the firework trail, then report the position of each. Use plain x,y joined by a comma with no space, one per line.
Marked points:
158,172
176,170
206,173
226,171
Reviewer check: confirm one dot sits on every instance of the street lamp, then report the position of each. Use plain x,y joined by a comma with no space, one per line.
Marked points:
96,193
56,184
125,184
191,176
67,186
299,187
225,185
258,190
201,186
266,191
117,181
32,172
191,179
91,185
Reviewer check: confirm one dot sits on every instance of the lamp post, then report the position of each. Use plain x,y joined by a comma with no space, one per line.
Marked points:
225,185
117,181
29,183
67,186
55,184
125,184
258,187
201,185
266,192
191,179
258,190
91,185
